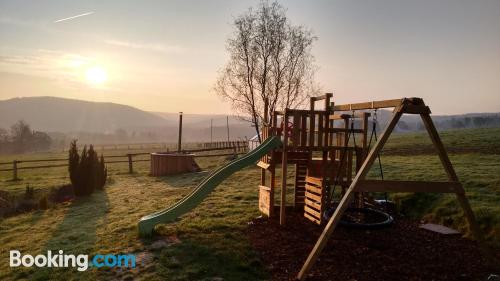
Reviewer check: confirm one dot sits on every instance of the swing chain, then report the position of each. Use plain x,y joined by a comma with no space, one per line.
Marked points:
352,130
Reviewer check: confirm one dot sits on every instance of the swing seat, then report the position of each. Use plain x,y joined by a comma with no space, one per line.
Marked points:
383,219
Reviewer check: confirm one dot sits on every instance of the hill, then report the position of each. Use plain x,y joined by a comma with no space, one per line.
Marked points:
99,122
68,115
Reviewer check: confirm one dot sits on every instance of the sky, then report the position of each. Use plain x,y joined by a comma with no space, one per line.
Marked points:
165,55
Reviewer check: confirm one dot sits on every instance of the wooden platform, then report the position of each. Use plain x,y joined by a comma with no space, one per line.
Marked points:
441,229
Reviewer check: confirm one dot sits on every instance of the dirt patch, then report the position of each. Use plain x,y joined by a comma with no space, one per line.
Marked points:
400,252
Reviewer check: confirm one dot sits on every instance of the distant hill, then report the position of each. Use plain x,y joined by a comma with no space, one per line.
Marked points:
68,115
410,123
98,122
201,120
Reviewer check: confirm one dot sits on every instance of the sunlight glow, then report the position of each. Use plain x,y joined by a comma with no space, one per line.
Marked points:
96,75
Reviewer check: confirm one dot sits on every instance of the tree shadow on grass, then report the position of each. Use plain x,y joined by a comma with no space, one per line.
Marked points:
36,216
417,204
187,180
75,234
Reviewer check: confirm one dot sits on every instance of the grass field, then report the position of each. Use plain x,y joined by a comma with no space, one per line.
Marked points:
209,243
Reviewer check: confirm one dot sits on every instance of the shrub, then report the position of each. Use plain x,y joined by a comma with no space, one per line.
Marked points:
102,173
87,171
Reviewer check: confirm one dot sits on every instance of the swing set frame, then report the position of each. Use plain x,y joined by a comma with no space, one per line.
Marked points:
360,184
313,132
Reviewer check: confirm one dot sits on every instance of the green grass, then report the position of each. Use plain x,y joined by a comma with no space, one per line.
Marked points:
467,140
479,174
210,243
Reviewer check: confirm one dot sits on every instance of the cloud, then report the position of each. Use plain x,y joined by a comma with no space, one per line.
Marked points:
147,46
58,66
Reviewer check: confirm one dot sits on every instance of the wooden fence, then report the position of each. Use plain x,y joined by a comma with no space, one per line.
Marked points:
130,158
165,146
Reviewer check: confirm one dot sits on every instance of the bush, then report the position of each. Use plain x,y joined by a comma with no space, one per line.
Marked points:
86,171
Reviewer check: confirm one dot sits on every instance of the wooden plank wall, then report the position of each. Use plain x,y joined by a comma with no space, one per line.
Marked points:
314,199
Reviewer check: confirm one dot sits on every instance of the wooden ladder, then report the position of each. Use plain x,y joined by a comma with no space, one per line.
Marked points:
300,183
314,199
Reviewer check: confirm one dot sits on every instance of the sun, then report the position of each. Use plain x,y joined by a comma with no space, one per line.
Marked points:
96,75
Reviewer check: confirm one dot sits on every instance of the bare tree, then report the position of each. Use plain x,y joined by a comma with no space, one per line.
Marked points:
21,133
270,64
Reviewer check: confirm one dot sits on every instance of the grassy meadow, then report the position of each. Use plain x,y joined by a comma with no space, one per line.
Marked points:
209,243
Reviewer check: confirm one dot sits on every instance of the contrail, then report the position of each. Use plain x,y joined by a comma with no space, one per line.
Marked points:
73,17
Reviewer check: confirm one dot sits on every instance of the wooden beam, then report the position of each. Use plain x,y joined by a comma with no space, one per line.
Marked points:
325,96
303,111
312,218
407,186
314,180
337,116
343,130
284,165
452,176
344,203
331,147
416,109
368,105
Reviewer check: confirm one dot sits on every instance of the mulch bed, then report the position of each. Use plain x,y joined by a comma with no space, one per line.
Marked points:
400,252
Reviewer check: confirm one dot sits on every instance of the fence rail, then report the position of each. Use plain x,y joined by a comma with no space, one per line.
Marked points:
163,145
237,147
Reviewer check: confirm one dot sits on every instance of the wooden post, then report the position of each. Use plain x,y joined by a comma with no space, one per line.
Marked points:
14,170
328,96
211,132
130,168
272,184
284,169
344,203
312,125
227,125
452,176
179,142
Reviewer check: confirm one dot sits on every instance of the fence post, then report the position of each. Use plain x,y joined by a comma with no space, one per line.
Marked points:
130,168
14,170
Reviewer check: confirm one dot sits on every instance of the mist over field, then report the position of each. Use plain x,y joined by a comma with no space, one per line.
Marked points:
111,123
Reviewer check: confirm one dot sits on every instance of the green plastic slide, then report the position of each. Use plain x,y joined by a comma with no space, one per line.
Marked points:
196,196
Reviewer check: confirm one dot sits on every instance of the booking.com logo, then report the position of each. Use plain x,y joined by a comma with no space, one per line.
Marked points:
80,262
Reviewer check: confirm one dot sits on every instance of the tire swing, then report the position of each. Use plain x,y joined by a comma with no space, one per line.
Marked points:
372,218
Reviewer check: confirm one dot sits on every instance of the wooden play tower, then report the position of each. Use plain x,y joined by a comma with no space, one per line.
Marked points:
328,146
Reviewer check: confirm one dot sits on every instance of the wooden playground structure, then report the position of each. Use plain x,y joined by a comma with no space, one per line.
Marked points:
332,147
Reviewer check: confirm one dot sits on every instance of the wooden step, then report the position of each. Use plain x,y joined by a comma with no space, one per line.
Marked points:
311,218
263,165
